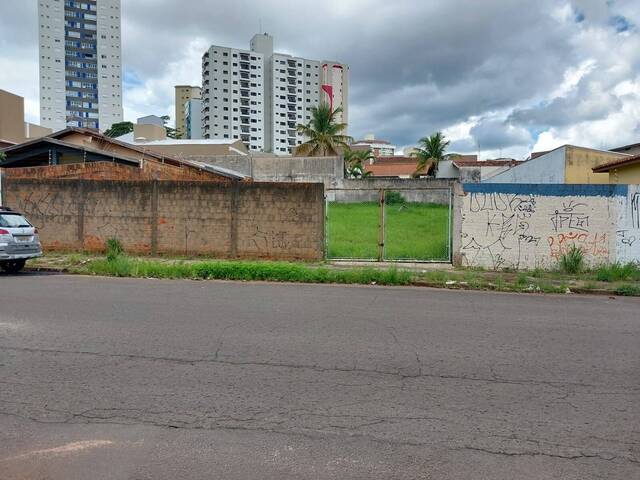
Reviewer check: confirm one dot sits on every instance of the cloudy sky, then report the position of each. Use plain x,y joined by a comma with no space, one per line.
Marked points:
499,77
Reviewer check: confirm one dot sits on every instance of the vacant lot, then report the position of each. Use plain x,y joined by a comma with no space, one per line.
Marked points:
412,230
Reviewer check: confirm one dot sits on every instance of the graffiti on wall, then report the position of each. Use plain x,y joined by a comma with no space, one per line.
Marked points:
505,220
503,230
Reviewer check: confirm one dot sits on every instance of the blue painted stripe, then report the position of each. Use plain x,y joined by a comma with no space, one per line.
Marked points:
548,189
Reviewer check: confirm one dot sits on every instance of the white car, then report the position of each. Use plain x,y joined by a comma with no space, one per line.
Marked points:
19,241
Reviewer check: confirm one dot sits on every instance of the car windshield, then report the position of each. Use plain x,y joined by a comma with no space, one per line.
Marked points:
12,220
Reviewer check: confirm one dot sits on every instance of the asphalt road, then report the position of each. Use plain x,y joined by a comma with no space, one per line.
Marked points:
149,379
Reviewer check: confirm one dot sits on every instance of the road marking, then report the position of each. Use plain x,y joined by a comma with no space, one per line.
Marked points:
69,448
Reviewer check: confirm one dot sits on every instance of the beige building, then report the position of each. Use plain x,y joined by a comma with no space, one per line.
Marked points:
13,128
184,93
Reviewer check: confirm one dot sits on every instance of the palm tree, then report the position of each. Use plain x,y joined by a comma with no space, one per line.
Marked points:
354,162
325,135
430,150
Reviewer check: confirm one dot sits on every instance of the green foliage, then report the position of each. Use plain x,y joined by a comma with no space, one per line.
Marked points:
618,271
119,129
628,290
572,261
325,136
430,150
122,266
393,198
114,249
354,163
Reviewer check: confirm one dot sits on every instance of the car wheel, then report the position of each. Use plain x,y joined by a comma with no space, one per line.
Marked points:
12,266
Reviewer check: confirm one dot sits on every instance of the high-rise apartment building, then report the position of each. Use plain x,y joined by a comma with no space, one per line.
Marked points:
193,119
80,63
260,97
184,93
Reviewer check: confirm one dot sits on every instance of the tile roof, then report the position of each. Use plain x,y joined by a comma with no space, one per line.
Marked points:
394,167
487,163
621,162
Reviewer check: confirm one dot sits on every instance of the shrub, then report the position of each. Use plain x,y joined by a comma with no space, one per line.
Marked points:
572,262
393,198
114,249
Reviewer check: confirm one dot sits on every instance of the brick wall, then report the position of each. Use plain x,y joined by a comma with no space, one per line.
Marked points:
221,219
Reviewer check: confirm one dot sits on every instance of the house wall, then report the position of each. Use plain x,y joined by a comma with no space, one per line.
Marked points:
626,175
523,226
548,168
579,164
229,220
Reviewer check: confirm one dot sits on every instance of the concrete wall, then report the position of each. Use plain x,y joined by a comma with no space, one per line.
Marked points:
628,228
234,220
272,168
413,190
525,226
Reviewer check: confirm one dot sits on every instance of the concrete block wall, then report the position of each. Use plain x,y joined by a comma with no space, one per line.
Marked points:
219,219
525,226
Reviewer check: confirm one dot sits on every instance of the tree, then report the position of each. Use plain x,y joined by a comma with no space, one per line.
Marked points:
171,132
3,157
325,135
119,129
430,150
354,163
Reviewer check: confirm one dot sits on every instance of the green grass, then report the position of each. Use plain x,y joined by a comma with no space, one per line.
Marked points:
413,231
617,272
123,266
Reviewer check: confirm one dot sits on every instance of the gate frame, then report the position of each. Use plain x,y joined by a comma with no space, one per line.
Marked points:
381,224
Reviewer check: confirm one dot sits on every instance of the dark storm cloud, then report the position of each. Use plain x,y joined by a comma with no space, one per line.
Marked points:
415,66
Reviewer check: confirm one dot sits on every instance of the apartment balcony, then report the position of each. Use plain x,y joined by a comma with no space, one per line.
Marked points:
291,125
244,103
244,84
292,81
244,76
244,57
244,112
244,93
291,90
205,83
244,66
205,64
245,137
244,120
291,63
291,72
291,116
291,99
291,108
244,129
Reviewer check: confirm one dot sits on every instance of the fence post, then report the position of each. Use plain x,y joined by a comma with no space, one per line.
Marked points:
381,226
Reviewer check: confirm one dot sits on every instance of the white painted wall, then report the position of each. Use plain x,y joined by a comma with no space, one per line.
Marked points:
527,231
549,168
628,229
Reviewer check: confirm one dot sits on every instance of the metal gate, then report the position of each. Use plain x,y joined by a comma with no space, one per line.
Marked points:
401,224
